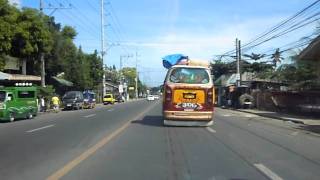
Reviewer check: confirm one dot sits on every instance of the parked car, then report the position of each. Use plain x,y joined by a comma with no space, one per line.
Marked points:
18,103
150,98
73,100
89,100
108,99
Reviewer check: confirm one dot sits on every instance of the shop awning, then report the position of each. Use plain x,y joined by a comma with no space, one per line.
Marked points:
18,77
63,81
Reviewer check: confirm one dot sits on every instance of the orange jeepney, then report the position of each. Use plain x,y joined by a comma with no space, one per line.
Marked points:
188,96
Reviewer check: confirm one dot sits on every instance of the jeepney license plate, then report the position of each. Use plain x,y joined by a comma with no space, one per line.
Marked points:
68,105
189,95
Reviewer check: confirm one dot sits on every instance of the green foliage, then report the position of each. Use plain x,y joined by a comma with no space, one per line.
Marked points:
27,33
219,68
47,91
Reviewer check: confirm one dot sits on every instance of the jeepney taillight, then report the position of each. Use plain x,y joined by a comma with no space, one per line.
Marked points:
210,96
168,93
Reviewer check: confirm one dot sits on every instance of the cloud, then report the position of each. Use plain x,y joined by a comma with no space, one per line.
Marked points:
15,2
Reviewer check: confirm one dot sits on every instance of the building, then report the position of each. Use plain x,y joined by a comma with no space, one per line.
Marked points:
312,53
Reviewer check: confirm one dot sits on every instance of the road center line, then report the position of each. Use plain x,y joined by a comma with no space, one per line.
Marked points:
76,161
44,127
226,115
110,110
211,130
90,115
267,172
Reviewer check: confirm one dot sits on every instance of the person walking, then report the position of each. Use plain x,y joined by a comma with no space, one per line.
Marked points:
42,104
55,102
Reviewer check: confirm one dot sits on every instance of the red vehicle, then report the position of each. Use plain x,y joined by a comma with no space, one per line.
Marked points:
188,96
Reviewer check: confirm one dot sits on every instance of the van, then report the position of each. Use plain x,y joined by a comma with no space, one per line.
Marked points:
73,100
89,99
18,103
188,96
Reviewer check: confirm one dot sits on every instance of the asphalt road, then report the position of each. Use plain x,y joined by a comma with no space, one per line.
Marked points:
128,141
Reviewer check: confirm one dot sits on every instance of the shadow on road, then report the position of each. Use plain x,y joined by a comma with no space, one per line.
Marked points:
150,121
311,128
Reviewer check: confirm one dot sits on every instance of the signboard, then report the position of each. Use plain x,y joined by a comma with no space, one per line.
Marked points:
238,77
120,88
131,88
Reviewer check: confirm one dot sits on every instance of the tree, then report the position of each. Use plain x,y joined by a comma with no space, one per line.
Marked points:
32,37
8,18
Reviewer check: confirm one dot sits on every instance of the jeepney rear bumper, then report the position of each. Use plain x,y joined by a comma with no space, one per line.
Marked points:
188,115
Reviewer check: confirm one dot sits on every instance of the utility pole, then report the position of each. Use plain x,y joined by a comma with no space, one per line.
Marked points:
102,49
42,60
122,79
238,55
239,64
43,69
137,75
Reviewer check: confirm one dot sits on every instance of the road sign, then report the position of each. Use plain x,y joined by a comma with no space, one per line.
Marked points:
131,88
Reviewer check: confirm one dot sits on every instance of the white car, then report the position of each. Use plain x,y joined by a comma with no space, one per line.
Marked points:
156,97
150,98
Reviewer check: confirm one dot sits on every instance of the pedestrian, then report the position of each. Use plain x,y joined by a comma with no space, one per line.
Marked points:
55,102
42,104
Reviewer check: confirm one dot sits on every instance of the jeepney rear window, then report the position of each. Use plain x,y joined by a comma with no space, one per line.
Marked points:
2,96
25,94
189,75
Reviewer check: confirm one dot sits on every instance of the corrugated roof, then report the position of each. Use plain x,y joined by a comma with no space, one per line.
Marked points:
18,77
63,81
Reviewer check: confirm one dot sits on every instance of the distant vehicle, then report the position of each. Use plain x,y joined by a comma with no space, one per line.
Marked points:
156,96
150,98
119,99
89,99
73,100
18,103
188,96
108,99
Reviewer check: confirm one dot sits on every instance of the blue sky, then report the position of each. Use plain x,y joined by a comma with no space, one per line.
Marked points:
155,28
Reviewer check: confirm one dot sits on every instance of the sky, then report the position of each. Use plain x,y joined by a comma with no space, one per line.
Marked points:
144,31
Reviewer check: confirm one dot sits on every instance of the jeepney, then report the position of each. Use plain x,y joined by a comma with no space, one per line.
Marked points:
188,96
18,103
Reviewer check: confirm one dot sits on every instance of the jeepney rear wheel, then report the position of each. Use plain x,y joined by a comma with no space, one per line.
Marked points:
30,116
11,117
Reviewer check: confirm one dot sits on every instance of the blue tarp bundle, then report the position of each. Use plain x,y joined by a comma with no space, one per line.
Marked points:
172,59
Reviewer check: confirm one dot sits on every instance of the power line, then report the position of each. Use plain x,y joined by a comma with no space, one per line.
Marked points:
116,27
293,28
83,16
277,27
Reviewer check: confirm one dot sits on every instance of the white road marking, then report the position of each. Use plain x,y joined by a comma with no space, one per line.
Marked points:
249,115
295,133
226,115
211,130
110,110
90,115
44,127
267,172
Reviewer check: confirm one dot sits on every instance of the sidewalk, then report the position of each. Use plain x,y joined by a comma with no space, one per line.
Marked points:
282,116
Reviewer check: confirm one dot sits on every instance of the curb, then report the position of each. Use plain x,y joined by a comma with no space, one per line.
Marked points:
274,117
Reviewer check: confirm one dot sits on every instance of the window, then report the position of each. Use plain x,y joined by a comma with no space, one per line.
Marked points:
2,96
70,95
26,94
189,75
107,96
